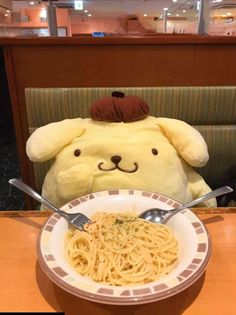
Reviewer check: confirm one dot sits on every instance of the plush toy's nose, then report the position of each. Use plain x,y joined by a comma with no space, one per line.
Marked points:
116,159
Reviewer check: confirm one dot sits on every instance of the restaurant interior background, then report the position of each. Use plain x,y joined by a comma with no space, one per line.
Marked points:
112,18
131,18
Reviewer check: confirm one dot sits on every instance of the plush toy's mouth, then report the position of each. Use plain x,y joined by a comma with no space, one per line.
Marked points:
117,167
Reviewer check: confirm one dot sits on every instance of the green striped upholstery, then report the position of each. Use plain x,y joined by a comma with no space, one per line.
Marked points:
195,105
212,110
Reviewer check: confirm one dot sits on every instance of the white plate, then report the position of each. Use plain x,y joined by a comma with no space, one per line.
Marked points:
193,238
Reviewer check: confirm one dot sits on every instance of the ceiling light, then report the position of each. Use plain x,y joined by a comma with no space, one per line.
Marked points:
174,0
78,5
168,13
85,11
43,13
184,11
165,9
177,14
145,14
31,3
198,5
89,14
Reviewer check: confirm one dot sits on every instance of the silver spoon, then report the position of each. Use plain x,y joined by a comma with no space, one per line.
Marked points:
157,215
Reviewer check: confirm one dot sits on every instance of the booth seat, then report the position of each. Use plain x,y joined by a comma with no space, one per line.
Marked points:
211,110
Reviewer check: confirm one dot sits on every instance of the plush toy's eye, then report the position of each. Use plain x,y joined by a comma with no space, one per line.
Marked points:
77,152
154,151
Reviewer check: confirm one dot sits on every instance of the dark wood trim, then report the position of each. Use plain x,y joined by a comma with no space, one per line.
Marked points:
121,40
19,119
28,213
47,213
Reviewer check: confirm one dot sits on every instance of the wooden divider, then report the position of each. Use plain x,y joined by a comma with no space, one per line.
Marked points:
110,62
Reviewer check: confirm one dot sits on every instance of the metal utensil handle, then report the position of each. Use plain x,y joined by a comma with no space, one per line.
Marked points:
215,193
31,192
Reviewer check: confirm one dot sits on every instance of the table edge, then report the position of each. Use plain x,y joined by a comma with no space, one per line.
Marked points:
47,213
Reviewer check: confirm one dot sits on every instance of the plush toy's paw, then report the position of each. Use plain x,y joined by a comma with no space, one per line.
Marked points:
198,188
210,203
74,182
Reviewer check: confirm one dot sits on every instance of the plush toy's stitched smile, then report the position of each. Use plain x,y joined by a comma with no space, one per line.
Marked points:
116,160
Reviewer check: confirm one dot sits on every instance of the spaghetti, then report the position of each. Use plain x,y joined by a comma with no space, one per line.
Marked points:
121,249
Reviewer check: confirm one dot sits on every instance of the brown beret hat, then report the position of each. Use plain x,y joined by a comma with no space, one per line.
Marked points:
118,107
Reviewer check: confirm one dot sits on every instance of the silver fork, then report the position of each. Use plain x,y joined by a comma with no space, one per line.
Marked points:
78,220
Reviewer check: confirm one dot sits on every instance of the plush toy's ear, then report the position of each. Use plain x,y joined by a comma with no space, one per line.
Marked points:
46,141
186,139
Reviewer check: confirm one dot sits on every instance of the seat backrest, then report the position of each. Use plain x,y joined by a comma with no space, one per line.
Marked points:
211,110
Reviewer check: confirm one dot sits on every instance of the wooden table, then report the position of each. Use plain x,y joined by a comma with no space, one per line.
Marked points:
24,287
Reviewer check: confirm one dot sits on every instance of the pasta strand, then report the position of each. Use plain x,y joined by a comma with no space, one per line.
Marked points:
121,249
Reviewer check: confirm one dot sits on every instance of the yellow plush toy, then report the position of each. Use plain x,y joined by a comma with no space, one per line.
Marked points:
130,150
